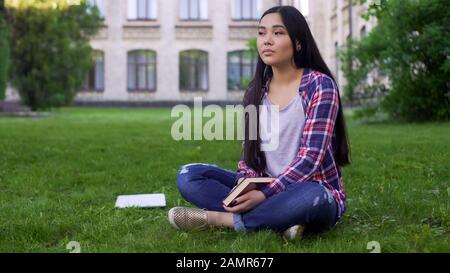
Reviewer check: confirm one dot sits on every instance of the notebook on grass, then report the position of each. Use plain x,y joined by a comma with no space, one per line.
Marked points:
141,200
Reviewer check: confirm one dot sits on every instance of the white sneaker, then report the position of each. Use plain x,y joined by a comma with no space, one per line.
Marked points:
294,232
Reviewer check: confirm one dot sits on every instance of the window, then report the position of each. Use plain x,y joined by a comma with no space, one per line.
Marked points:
95,80
246,9
363,32
241,68
142,9
194,70
141,70
99,4
193,9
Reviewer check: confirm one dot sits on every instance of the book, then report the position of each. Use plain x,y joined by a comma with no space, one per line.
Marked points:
243,186
141,200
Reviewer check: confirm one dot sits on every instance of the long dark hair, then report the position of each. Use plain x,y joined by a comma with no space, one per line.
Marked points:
308,57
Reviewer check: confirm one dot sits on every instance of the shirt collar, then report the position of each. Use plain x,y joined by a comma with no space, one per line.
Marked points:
303,82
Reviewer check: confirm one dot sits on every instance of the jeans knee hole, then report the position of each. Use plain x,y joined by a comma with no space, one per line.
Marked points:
184,170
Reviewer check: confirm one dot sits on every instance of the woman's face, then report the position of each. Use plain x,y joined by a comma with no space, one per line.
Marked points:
273,35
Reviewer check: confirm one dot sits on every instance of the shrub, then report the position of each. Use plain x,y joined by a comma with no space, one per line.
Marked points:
51,54
411,45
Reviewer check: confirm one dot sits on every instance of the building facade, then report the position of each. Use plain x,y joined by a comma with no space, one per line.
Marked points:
172,50
175,50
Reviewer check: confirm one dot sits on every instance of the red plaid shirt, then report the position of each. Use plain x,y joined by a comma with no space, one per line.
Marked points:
314,161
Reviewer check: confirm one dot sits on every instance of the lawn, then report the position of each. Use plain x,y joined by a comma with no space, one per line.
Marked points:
60,175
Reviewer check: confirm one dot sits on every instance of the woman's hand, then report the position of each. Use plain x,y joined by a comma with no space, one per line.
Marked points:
246,202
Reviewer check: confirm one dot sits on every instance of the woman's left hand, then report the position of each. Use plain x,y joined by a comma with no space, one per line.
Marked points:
247,201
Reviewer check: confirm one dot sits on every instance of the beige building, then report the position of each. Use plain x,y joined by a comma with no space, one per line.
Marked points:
172,50
175,50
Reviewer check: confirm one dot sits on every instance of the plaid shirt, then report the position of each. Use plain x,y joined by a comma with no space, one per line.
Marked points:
314,161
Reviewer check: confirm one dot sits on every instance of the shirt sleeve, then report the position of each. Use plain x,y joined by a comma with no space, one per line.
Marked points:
246,170
316,137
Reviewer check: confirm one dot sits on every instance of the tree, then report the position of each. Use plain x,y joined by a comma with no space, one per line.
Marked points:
4,52
410,44
50,50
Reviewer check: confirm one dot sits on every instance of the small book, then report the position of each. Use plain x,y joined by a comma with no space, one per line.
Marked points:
141,200
243,186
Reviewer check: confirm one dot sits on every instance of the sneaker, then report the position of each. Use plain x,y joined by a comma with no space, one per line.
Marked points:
294,232
188,218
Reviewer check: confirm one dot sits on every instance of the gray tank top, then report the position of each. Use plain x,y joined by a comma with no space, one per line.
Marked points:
291,121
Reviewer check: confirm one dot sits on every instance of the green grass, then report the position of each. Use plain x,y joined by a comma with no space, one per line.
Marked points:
60,175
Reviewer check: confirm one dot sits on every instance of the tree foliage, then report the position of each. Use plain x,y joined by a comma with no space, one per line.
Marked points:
411,46
50,50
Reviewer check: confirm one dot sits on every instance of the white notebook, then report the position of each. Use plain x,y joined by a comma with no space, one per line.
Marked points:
141,200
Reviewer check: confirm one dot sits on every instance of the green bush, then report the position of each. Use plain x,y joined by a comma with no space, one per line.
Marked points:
4,56
51,54
411,46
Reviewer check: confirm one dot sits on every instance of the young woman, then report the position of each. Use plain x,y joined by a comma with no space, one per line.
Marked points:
307,190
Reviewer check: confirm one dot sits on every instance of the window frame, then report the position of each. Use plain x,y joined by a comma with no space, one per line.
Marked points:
240,53
238,7
90,82
189,61
189,4
136,67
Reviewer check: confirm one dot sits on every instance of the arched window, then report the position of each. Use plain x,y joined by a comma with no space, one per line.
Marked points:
141,70
241,68
194,70
95,79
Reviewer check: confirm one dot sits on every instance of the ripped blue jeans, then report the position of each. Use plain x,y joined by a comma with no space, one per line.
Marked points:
308,203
